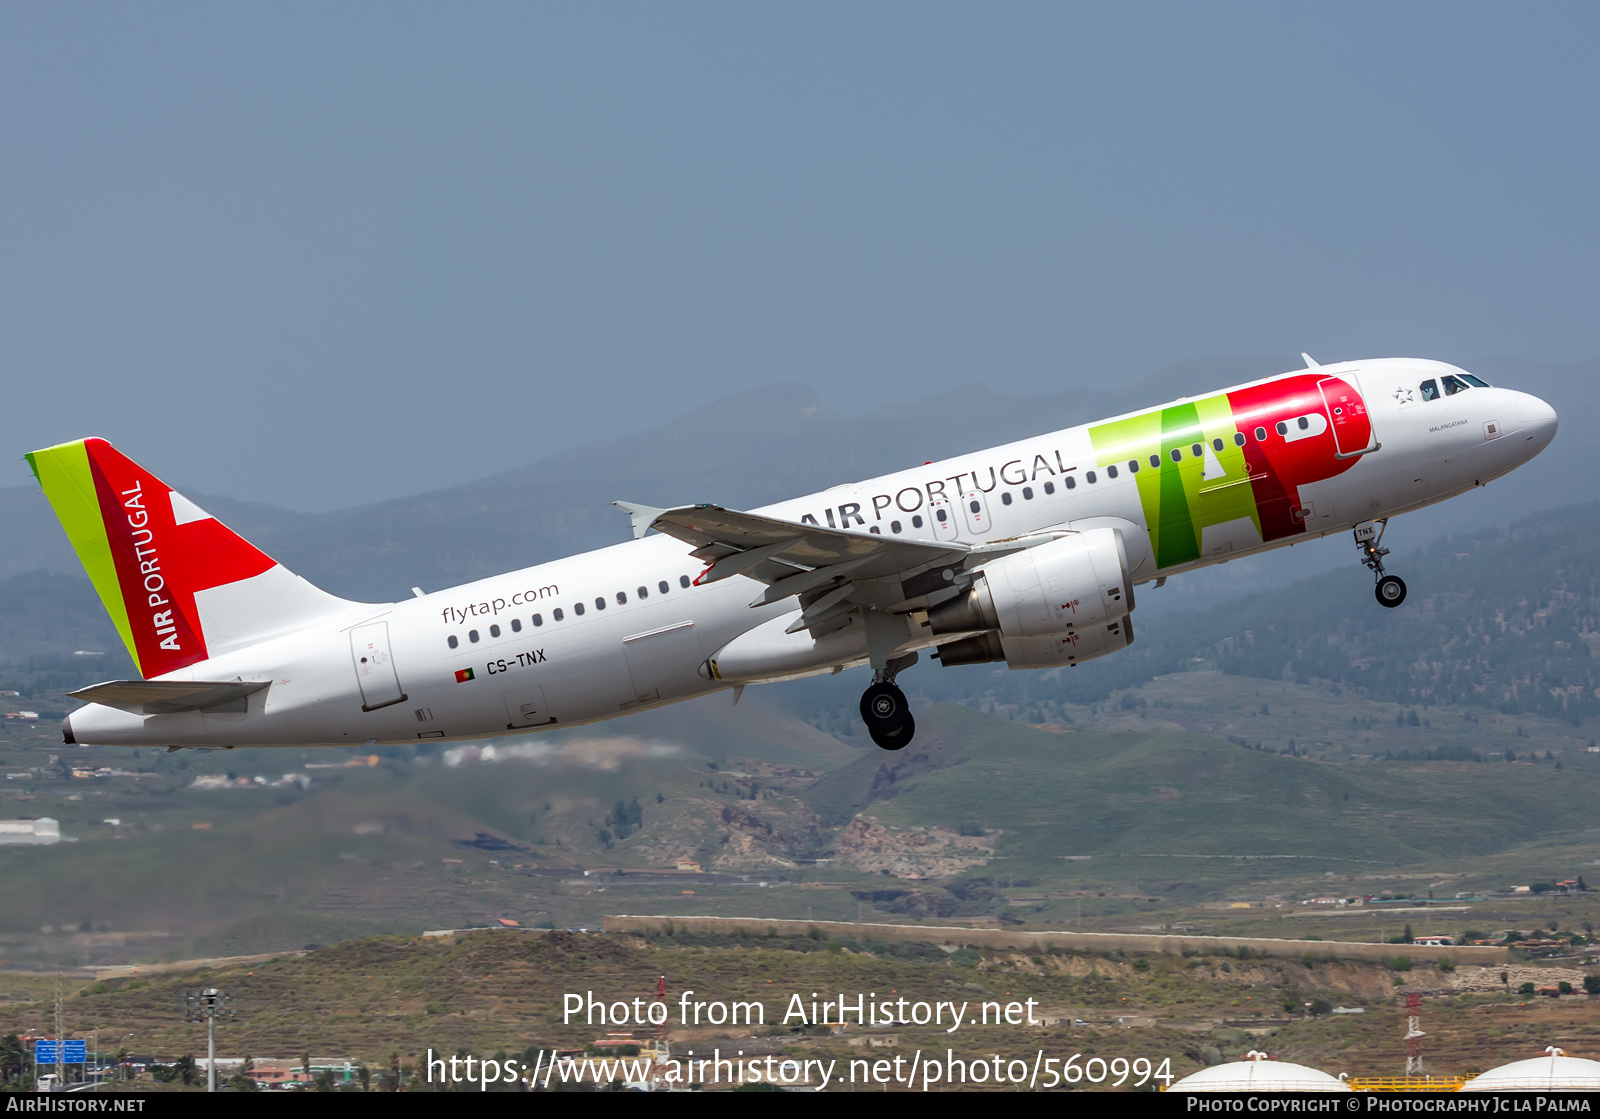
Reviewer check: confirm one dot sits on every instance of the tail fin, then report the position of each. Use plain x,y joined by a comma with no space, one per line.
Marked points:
179,585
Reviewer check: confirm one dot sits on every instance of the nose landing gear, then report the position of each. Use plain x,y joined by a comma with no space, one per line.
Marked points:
1391,589
884,708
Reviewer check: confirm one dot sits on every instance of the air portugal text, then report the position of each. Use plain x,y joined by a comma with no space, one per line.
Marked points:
149,562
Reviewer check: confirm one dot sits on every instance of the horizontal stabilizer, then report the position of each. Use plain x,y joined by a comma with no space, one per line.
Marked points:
168,697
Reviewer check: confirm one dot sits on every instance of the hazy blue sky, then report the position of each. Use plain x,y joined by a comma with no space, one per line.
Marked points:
325,253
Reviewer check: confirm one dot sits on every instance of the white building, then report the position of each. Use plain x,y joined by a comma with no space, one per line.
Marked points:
42,830
1553,1072
1258,1072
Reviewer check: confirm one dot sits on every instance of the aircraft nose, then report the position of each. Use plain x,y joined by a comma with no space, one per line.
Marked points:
1539,423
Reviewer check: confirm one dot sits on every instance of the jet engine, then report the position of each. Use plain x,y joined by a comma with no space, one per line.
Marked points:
1061,603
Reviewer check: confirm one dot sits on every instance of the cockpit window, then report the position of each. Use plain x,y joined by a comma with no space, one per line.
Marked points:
1453,385
1430,390
1476,382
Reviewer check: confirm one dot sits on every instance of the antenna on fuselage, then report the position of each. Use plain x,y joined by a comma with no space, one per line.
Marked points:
1311,362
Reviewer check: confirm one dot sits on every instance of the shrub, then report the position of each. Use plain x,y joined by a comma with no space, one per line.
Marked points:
1525,989
1591,984
1401,963
1447,965
1564,987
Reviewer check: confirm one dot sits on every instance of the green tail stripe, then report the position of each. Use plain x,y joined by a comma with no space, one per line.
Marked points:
1178,541
64,473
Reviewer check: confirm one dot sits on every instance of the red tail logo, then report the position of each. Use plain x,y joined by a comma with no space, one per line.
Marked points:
165,549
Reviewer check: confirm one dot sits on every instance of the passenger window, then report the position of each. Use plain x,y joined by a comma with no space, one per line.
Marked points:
942,515
875,530
894,526
1197,450
683,580
1238,439
916,522
662,587
1430,390
1005,498
643,592
1133,466
538,619
451,641
1177,455
1216,444
1283,428
622,598
1453,385
600,602
577,608
472,635
1261,435
516,625
1027,493
974,506
1071,482
1155,462
494,631
1089,477
1111,472
1050,487
557,614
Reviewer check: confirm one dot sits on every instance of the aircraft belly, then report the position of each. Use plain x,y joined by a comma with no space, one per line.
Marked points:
1220,541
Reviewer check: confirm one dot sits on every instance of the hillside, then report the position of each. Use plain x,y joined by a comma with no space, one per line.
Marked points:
192,854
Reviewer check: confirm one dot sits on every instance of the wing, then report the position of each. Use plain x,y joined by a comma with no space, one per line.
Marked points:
833,571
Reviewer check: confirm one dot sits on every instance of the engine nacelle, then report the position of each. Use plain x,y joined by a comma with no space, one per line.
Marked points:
1058,604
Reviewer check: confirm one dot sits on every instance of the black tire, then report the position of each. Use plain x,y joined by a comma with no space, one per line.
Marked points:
887,715
896,737
1390,591
883,704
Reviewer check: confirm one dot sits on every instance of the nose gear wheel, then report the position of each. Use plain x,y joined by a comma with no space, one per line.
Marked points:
1390,590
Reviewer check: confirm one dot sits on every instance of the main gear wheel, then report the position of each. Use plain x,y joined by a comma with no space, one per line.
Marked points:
887,715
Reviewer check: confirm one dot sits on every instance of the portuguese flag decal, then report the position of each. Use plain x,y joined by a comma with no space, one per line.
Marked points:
463,675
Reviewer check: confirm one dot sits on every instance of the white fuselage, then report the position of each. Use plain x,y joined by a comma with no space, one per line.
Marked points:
622,628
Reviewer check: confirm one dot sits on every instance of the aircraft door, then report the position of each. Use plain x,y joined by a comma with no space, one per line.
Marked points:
374,664
975,511
525,707
664,663
942,517
1347,412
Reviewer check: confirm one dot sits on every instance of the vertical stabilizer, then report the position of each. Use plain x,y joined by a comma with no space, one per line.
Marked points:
180,586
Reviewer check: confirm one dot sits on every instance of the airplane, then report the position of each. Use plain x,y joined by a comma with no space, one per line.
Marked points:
1027,553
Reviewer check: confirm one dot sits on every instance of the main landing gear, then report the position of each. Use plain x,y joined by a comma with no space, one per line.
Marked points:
884,708
1391,589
